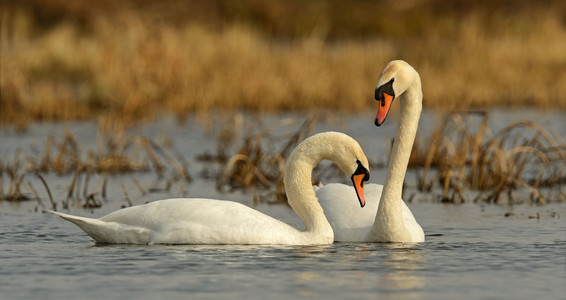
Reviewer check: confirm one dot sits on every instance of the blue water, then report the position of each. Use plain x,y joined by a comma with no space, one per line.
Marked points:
472,251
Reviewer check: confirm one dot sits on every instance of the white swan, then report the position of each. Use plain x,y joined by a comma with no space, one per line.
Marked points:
208,221
388,220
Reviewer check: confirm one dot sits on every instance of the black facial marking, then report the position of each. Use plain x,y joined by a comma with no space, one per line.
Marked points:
362,170
386,88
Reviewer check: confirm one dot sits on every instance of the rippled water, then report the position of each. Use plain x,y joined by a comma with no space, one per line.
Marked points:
472,251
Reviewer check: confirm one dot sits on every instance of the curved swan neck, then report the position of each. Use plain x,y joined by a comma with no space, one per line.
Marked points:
390,216
298,184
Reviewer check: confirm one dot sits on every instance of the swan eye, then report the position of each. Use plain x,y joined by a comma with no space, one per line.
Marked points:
358,178
386,88
362,170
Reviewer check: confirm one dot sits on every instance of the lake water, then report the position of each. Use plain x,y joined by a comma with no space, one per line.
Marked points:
473,251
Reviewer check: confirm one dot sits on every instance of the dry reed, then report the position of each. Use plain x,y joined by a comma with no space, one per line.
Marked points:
114,63
522,155
461,155
256,165
69,157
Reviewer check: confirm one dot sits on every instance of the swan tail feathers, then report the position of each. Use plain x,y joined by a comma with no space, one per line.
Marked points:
109,232
76,219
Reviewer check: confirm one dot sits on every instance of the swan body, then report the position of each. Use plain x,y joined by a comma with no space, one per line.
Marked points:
386,218
352,224
209,221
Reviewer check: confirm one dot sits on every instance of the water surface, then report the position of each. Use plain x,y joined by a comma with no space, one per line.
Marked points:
471,250
474,251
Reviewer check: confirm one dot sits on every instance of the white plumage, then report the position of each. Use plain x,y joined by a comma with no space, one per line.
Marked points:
386,217
209,221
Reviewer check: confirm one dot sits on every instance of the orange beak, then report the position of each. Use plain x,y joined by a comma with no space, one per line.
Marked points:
383,110
358,181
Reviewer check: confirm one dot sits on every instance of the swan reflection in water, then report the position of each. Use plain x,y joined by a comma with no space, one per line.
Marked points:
404,263
340,270
393,269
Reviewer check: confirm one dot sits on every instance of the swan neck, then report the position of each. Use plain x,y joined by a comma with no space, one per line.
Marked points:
298,186
390,206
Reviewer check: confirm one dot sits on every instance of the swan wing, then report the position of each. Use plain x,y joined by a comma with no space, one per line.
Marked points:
352,223
109,232
188,221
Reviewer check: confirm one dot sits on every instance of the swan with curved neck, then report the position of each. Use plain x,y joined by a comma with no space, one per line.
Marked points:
208,221
386,218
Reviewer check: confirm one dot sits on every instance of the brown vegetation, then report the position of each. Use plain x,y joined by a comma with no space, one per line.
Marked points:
461,155
459,158
122,62
132,60
118,154
255,164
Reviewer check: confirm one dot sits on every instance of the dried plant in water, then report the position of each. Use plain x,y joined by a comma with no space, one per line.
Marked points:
522,155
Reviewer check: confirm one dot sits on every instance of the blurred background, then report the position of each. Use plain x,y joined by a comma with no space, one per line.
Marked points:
133,60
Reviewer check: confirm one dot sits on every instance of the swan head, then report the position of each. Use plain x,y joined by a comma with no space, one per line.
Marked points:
337,147
395,79
348,155
358,178
350,158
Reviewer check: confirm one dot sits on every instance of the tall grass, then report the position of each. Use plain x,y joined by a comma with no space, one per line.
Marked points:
462,161
116,154
250,161
460,157
129,65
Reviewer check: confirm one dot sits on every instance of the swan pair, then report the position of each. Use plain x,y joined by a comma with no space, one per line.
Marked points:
206,221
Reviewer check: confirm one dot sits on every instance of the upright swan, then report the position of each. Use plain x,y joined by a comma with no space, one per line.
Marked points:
207,221
386,218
